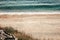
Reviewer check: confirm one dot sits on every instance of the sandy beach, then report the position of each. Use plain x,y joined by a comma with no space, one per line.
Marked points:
38,25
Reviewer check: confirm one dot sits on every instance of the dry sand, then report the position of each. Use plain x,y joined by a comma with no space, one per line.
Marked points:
39,25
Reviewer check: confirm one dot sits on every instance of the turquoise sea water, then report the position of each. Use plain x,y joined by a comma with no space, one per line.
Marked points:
25,5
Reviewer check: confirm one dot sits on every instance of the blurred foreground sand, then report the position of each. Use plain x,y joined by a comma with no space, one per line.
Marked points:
39,25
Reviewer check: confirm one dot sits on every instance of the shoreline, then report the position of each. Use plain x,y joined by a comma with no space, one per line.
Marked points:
29,13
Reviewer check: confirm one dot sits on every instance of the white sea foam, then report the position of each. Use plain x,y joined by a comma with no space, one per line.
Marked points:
42,12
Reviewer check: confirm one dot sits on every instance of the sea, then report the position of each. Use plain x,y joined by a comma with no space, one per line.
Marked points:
29,5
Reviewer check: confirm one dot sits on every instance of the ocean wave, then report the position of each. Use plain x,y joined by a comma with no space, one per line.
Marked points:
29,5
